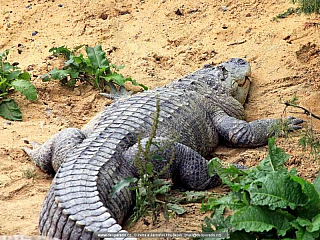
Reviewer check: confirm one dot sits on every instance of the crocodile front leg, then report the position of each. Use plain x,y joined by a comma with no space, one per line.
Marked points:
240,133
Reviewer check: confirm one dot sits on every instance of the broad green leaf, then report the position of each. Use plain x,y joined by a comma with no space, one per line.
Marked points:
176,208
59,73
45,77
78,47
7,67
9,110
25,76
61,50
259,219
275,159
316,183
311,226
163,189
26,88
213,164
217,222
13,75
117,67
122,184
277,190
193,196
233,200
229,175
134,82
302,233
315,224
97,57
303,222
312,207
116,78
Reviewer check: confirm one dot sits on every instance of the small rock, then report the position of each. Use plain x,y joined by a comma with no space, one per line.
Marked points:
29,6
224,8
248,30
163,1
224,27
48,111
178,12
26,141
7,122
248,15
60,5
35,33
103,16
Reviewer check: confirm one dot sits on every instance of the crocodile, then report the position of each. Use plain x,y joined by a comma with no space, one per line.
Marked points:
200,110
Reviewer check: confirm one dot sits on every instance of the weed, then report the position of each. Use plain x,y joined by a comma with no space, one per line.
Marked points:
310,142
308,139
11,77
30,173
290,11
94,69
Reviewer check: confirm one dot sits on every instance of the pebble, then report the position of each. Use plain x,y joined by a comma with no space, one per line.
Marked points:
224,8
7,122
60,5
35,33
26,141
163,1
48,111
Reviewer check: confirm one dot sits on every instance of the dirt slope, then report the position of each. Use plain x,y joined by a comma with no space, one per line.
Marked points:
157,41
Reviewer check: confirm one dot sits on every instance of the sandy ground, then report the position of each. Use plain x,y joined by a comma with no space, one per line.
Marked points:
157,41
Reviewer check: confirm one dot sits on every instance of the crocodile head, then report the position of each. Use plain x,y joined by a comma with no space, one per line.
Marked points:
237,74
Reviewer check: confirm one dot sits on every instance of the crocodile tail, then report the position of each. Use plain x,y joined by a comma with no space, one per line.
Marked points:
78,203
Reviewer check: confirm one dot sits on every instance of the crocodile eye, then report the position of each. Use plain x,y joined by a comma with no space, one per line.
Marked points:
224,72
241,61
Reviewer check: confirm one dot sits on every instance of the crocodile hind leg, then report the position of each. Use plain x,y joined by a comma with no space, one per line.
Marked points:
50,155
188,167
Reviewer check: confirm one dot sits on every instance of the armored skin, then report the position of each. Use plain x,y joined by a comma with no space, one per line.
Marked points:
199,110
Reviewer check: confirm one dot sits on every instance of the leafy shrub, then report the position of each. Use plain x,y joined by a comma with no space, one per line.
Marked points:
268,201
94,69
11,77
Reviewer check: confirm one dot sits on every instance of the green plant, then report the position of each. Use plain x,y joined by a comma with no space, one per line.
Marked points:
308,139
94,69
311,142
287,13
11,77
149,185
268,201
309,6
30,173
